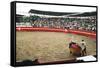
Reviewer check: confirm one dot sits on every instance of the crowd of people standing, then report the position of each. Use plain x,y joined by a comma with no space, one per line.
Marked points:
88,24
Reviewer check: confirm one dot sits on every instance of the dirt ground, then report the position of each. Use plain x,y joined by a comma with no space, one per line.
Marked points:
48,46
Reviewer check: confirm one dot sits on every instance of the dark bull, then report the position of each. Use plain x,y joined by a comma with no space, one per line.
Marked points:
76,50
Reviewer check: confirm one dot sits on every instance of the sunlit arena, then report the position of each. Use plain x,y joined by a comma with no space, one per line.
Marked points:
49,46
44,37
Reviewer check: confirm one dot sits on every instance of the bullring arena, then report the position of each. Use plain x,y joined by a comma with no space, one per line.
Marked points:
49,45
44,37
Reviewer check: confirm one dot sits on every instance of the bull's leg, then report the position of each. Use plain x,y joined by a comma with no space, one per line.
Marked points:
70,52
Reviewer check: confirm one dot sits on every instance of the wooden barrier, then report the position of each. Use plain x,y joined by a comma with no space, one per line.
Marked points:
45,29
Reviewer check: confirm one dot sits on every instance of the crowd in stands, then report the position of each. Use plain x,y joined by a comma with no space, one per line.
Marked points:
87,24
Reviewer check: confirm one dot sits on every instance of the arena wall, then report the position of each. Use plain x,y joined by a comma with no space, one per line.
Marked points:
45,29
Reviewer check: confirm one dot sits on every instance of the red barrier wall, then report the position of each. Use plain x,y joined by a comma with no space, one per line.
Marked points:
90,34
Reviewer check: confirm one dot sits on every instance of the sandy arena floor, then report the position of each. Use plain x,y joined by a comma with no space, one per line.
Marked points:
48,46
